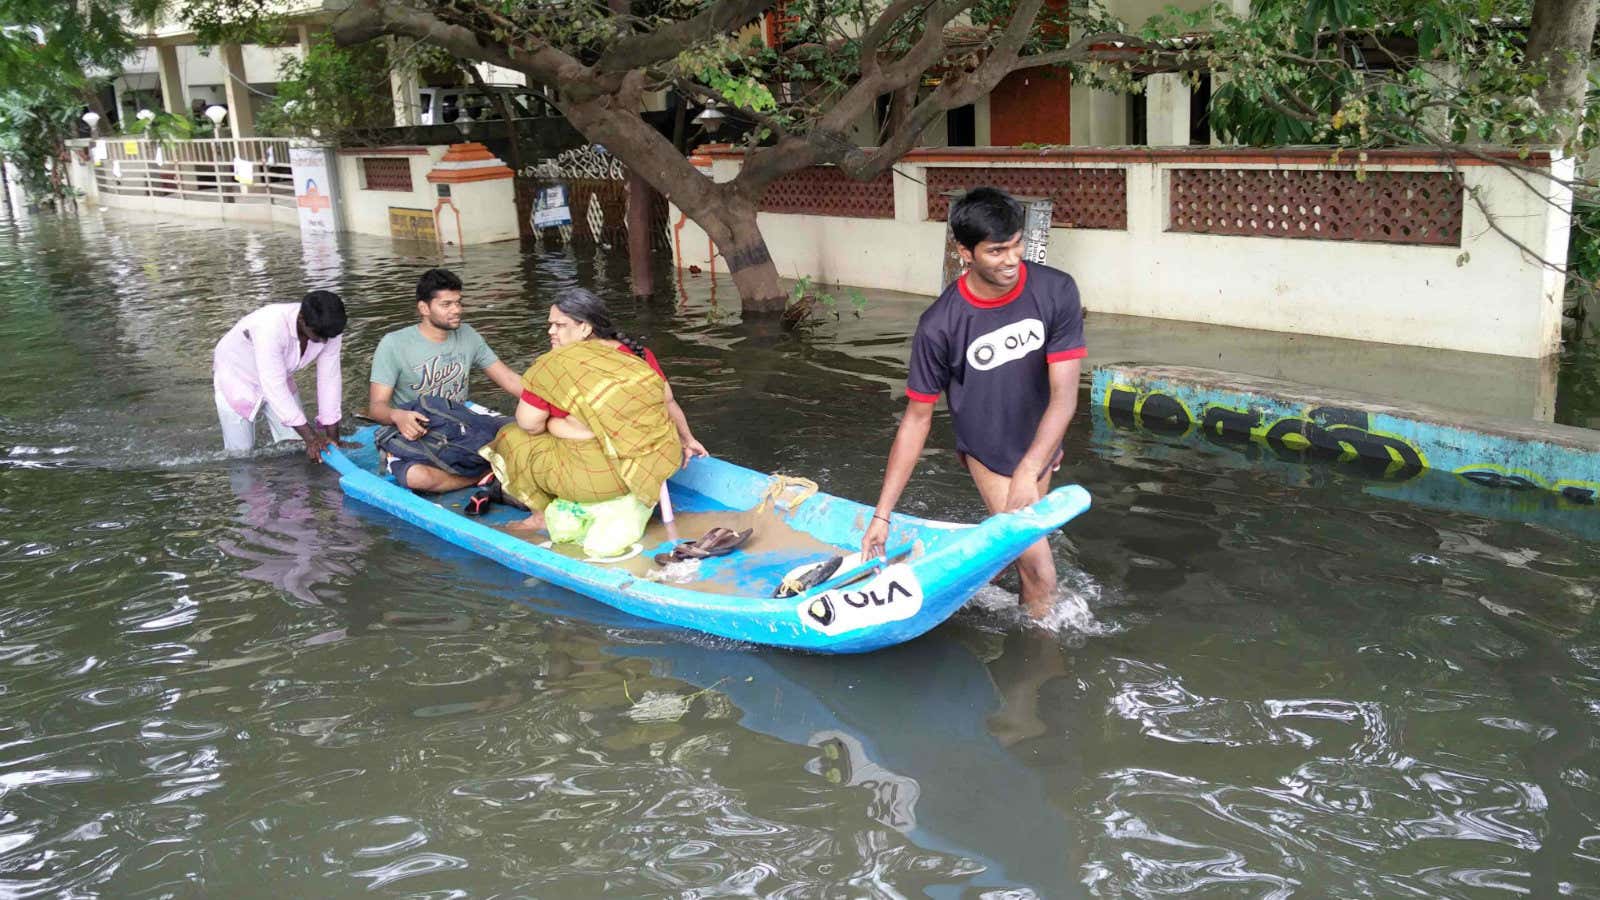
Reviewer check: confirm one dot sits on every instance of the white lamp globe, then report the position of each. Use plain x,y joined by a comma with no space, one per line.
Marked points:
145,115
91,119
216,114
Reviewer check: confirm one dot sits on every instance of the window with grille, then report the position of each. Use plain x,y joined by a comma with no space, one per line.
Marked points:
386,173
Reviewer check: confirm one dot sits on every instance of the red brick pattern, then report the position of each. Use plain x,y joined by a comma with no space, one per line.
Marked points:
826,191
1383,207
386,173
1083,198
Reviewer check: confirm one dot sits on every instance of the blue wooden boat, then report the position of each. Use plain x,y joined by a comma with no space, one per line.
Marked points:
943,564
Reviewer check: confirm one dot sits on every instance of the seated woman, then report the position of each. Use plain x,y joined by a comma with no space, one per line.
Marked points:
596,421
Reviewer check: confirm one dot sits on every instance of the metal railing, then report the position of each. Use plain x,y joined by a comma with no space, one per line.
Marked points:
202,170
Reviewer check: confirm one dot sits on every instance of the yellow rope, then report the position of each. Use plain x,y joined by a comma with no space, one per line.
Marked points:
781,484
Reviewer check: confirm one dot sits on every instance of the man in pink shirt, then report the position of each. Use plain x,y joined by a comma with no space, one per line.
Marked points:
253,367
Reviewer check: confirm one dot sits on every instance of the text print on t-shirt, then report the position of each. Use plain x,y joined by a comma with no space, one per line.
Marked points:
435,376
1004,344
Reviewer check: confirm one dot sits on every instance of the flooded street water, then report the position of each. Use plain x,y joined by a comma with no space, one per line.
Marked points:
222,678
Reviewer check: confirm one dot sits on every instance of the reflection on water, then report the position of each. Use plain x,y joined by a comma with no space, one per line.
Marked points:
216,676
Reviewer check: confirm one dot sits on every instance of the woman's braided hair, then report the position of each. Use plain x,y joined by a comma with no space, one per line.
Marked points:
582,305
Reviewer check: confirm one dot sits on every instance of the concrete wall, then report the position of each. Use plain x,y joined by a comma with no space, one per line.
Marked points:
365,210
167,207
1484,296
480,212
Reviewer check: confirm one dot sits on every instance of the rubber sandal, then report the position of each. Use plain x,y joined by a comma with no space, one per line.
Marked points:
479,503
726,542
798,582
718,541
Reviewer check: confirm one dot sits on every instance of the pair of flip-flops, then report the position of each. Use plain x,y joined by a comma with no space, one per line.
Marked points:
718,541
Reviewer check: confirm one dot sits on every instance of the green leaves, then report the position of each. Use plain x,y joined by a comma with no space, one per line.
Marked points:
333,93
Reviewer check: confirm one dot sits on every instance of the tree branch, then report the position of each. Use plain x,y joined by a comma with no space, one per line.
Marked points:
715,96
364,20
649,48
874,36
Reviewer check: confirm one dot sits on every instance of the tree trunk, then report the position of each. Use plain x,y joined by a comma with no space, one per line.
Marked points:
604,108
738,238
727,214
1558,43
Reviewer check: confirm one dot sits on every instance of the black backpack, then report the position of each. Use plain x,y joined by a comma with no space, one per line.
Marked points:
455,433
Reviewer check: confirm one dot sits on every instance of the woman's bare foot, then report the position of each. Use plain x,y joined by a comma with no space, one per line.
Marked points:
534,522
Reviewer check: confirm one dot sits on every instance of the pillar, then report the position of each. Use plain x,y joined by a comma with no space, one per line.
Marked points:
174,95
241,108
1166,110
1444,77
1108,118
640,196
404,84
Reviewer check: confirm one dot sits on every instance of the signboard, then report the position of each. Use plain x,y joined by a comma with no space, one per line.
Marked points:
313,189
412,224
131,148
1036,230
550,209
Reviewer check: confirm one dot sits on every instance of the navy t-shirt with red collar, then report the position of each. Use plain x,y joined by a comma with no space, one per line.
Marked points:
992,357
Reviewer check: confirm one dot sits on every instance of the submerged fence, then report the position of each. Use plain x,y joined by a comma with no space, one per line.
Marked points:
226,170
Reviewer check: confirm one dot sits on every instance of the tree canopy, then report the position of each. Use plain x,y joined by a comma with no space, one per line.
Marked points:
48,50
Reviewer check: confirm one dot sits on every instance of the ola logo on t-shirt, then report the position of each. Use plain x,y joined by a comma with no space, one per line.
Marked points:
1004,344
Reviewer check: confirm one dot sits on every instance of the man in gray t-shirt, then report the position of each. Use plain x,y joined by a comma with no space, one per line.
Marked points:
415,365
432,358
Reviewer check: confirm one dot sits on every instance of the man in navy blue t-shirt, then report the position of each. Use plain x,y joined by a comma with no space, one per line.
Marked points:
1004,343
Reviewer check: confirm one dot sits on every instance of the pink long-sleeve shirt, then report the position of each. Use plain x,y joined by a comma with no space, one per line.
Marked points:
256,360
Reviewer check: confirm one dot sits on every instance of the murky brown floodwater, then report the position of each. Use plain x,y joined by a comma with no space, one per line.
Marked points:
221,678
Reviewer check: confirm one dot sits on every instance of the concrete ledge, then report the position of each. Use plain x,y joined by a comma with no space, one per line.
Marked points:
1379,438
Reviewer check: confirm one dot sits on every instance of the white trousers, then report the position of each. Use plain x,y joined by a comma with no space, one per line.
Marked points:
239,433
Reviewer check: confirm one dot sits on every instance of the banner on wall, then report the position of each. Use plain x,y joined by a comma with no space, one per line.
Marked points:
313,189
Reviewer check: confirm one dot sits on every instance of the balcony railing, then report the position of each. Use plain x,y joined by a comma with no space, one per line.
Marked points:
199,170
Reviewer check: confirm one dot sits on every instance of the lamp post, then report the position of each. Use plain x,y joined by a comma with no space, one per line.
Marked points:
710,119
216,114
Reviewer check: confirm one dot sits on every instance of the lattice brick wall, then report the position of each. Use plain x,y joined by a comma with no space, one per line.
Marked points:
386,173
1083,198
1384,207
826,191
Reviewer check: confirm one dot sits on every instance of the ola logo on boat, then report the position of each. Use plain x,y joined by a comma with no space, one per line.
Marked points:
895,594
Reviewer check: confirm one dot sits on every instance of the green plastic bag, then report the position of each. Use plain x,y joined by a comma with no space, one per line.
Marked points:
618,525
567,521
605,529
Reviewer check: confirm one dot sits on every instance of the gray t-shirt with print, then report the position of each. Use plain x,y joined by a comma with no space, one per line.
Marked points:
415,366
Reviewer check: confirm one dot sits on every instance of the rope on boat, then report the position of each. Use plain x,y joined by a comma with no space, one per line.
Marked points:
782,484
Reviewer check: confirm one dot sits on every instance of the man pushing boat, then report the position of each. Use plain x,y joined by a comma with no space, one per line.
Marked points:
1005,344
